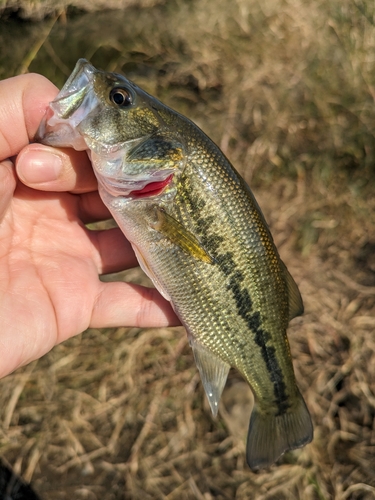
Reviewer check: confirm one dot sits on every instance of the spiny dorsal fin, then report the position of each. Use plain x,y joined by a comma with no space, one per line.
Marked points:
177,234
295,299
213,372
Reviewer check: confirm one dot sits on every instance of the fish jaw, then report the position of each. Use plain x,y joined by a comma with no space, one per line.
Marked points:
124,166
66,118
60,125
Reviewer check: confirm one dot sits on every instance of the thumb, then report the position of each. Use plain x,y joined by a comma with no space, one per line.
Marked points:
7,186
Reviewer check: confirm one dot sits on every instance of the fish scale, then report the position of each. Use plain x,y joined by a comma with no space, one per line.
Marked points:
234,214
201,238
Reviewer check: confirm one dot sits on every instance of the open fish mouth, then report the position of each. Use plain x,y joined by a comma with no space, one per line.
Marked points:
74,102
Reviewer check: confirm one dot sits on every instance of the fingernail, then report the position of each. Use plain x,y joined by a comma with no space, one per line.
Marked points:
38,167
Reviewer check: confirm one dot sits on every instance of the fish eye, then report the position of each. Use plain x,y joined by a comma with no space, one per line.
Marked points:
121,97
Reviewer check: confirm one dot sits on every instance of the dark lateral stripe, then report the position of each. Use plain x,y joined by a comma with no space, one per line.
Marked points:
244,304
261,337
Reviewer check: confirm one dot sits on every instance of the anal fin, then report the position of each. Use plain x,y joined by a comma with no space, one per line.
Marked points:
213,372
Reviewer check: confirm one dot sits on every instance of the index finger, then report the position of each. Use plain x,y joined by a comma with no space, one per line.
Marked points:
24,100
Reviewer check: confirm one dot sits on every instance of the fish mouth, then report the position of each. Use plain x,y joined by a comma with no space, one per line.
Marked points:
138,189
59,126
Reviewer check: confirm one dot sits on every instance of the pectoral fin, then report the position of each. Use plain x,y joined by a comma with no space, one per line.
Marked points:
213,372
180,236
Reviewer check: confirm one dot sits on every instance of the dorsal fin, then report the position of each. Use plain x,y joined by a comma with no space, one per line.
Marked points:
213,372
295,299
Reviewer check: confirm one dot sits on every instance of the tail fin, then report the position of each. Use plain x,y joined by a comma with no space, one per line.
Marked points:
272,435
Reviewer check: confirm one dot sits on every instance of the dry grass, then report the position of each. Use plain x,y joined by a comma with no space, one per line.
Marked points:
287,88
37,10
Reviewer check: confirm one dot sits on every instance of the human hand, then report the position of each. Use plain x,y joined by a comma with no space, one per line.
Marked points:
49,261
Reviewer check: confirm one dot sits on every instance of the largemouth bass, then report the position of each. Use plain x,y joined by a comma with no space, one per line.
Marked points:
200,236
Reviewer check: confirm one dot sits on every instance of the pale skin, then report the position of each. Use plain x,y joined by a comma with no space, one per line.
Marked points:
49,261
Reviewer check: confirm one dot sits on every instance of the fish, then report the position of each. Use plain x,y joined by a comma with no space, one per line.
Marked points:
200,235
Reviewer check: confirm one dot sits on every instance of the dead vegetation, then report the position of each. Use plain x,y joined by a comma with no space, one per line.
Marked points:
39,9
286,88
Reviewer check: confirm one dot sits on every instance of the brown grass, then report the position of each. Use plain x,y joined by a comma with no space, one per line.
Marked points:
286,88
